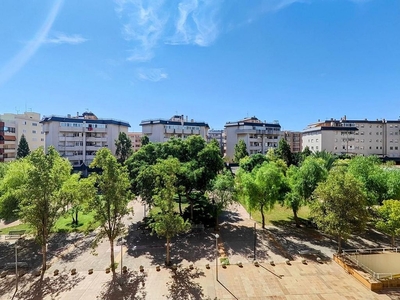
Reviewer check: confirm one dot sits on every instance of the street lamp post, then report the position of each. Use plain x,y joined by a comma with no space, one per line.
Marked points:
16,265
216,255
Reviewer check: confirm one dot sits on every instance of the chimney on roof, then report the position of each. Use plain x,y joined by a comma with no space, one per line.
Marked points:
77,114
344,117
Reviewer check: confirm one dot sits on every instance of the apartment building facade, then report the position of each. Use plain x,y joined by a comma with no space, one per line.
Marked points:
79,138
354,137
136,139
161,130
259,136
219,136
16,125
294,139
8,141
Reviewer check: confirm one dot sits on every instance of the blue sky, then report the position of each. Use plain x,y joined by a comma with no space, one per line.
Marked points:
295,61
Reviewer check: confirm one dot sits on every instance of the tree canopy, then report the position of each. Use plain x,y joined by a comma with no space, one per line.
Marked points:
40,205
389,219
340,205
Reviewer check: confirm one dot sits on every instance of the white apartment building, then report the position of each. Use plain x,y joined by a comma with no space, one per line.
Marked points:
161,130
354,137
136,139
79,138
259,136
27,124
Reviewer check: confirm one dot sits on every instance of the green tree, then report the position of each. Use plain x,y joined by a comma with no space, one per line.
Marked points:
144,140
340,206
14,176
369,171
303,181
23,148
263,187
240,151
328,158
76,193
167,223
124,147
222,193
283,152
305,153
389,219
250,162
40,206
111,203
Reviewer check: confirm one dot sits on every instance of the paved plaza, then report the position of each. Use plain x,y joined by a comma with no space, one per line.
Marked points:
296,280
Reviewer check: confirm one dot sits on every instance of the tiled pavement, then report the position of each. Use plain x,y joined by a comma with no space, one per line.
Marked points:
282,281
295,281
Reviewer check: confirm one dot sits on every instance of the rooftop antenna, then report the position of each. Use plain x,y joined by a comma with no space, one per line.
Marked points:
17,110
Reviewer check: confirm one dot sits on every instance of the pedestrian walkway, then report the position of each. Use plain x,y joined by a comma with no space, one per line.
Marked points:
204,280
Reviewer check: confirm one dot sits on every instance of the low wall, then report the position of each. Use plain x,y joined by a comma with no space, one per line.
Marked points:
370,283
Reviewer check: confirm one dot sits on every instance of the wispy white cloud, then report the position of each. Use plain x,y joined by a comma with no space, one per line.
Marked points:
153,75
62,38
197,22
22,57
147,24
143,24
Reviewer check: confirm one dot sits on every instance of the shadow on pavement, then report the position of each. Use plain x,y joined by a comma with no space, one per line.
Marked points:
49,286
188,246
183,285
127,286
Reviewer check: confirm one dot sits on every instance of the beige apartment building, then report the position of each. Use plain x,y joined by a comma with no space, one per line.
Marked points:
161,130
259,136
293,138
136,139
79,138
219,136
27,124
354,137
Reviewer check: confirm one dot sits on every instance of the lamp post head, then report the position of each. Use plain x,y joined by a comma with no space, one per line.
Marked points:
216,235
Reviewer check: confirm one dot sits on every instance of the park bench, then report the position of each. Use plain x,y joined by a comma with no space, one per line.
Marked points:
14,234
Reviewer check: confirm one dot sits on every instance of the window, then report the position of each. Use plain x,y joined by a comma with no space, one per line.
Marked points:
34,124
362,133
370,133
33,131
377,147
396,148
391,148
391,133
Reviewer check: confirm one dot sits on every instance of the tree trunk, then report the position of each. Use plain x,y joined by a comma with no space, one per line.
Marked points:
191,209
112,257
296,218
262,216
44,257
180,204
76,217
167,259
339,244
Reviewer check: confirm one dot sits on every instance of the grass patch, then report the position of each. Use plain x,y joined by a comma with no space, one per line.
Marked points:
279,213
25,227
86,223
63,224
